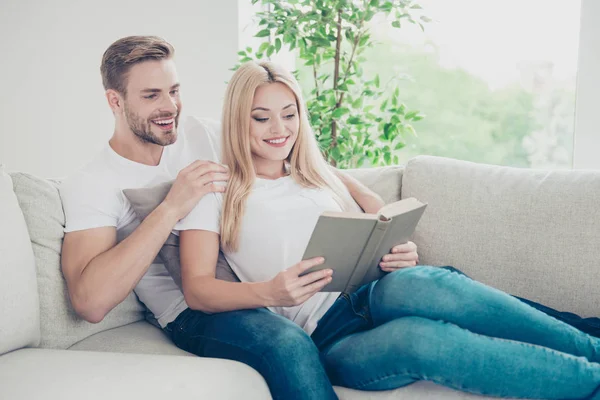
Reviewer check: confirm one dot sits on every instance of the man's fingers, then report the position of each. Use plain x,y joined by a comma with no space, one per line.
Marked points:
206,169
195,164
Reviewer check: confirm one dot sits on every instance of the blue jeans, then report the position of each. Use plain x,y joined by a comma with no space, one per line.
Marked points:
274,346
430,323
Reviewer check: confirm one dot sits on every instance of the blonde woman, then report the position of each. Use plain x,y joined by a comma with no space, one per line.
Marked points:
415,323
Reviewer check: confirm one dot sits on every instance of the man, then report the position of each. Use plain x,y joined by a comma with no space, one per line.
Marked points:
107,252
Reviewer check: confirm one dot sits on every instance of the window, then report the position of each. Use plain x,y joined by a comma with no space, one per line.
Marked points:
496,80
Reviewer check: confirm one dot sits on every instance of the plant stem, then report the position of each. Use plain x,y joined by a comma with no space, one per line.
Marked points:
316,80
336,76
354,46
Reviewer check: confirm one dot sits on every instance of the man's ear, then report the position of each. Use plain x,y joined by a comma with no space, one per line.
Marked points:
115,101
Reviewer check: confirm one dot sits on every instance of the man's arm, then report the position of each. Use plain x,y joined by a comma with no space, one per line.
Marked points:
101,273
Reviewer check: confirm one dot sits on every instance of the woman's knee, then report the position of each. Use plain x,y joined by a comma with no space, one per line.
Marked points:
412,282
410,292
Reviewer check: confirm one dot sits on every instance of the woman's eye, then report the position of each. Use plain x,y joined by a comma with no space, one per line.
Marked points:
290,116
261,119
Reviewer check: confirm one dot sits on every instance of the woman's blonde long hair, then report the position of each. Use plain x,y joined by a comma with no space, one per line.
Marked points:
307,165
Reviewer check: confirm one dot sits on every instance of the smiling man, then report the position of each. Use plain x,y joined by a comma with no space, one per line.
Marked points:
107,252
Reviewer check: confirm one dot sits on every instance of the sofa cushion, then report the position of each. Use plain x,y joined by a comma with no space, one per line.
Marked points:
60,326
19,303
532,233
139,337
31,374
385,181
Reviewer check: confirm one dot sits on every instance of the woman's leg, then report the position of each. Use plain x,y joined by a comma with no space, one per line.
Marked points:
438,294
277,348
404,350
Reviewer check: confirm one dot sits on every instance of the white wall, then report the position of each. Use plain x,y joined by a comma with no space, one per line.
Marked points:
53,111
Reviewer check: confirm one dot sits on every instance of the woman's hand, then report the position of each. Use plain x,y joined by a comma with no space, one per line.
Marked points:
289,289
402,256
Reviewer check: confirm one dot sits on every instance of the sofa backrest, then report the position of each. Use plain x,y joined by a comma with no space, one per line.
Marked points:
532,233
19,304
385,181
40,202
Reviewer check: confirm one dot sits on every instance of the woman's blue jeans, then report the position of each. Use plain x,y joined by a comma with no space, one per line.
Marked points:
430,323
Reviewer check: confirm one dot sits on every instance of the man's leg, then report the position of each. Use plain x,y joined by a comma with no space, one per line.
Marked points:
589,325
277,348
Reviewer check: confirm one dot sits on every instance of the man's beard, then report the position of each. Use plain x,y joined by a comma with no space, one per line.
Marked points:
143,128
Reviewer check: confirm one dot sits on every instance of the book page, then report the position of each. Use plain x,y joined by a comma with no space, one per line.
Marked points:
398,207
400,230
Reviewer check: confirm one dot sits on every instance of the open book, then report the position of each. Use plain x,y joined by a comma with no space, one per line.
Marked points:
354,243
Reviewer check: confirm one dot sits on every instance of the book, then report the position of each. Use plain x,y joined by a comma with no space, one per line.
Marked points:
354,243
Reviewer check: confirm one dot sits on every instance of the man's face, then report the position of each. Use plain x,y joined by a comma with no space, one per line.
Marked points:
152,104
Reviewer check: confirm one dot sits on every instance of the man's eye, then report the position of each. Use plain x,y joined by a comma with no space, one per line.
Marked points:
175,92
150,97
261,119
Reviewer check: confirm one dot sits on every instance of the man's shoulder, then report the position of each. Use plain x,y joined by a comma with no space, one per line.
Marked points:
201,139
94,176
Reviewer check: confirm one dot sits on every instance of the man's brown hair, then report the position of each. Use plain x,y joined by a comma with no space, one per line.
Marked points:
125,53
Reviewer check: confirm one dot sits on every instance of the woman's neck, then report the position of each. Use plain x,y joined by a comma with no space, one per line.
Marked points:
271,169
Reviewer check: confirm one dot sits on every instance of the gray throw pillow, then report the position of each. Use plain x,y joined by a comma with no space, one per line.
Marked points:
144,201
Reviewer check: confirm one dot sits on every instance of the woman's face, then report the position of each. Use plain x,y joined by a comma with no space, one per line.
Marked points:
274,123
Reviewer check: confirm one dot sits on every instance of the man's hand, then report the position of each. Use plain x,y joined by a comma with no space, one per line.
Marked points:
192,183
289,289
402,256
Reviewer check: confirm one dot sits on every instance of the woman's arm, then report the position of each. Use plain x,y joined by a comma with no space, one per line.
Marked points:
367,199
199,251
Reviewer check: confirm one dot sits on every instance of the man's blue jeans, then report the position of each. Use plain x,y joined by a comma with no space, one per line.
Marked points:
436,324
274,346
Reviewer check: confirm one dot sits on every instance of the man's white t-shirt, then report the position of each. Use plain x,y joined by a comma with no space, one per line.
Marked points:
278,221
93,197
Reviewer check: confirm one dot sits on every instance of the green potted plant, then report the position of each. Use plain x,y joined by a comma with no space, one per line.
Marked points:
357,119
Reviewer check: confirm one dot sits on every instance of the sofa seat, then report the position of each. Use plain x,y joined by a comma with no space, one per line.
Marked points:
142,337
139,337
30,374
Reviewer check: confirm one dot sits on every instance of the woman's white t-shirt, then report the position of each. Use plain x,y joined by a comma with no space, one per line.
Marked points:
277,224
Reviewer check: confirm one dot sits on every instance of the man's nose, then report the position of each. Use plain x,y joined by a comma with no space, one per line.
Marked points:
170,105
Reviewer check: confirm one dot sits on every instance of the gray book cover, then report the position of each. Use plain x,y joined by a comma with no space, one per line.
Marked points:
354,243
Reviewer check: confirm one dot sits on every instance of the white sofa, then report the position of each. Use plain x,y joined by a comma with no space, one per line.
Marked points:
529,232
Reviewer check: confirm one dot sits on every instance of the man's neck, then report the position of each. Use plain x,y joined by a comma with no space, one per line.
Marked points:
130,147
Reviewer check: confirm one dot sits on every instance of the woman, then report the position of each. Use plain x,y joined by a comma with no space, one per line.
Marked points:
414,323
